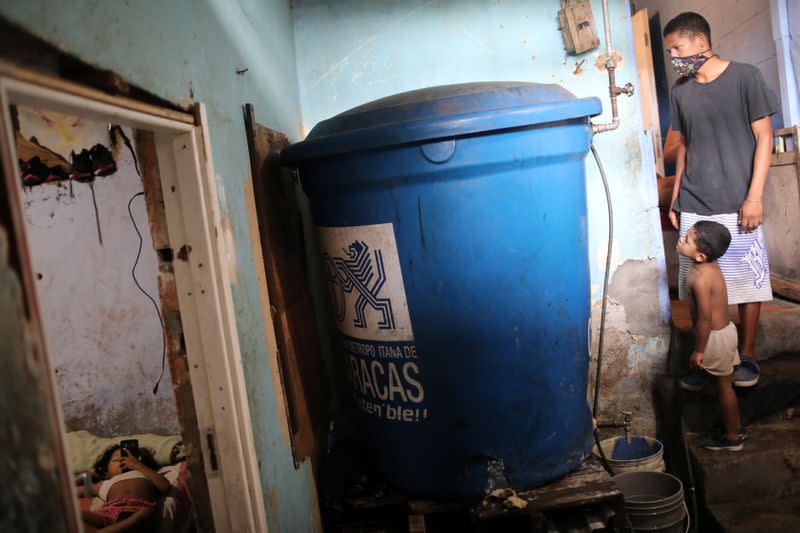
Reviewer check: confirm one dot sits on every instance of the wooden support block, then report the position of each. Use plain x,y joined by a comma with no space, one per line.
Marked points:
781,226
416,523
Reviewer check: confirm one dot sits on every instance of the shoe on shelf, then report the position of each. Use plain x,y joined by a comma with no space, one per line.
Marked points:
81,166
746,374
57,173
102,161
722,444
695,381
34,172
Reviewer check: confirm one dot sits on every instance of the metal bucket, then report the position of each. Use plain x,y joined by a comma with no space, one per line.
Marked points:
642,454
653,501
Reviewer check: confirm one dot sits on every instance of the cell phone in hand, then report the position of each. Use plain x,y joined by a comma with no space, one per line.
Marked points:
130,447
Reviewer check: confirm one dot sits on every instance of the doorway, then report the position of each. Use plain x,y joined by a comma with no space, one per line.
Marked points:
110,307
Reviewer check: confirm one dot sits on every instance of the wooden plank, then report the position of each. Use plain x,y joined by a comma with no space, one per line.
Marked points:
416,523
781,225
147,158
178,236
786,288
13,71
783,158
283,249
267,319
783,132
647,84
586,486
224,275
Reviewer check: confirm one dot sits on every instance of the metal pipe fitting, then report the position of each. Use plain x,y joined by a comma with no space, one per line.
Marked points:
625,424
613,90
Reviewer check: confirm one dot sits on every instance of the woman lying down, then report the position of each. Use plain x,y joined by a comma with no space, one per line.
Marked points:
131,489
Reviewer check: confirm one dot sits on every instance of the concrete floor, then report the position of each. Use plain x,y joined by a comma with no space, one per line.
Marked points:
757,489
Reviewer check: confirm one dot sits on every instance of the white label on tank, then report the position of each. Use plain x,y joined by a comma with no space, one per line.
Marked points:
362,268
362,271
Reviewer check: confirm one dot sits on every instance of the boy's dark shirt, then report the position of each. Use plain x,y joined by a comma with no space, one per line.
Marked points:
715,119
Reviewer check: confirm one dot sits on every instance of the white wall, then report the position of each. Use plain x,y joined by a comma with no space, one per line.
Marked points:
103,334
741,30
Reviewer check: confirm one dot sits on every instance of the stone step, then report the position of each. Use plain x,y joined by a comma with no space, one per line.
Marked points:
767,468
777,389
773,515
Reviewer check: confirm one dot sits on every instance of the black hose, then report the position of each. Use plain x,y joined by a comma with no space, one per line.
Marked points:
601,342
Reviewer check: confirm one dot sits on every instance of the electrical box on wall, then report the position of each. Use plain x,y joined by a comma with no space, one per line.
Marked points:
577,27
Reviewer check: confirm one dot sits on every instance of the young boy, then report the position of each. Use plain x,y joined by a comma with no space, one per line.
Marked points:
721,109
715,345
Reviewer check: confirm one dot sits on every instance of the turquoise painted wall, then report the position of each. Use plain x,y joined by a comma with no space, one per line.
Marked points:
189,50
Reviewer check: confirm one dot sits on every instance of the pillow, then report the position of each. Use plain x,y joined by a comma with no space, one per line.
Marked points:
85,448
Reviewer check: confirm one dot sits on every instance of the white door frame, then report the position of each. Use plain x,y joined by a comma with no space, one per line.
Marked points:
204,292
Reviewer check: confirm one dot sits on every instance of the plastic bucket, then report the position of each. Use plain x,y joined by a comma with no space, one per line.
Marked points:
642,454
653,501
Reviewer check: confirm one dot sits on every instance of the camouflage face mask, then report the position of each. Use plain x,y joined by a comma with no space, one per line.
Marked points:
689,65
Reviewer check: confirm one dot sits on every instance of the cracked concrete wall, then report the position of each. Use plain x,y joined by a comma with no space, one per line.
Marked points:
104,336
34,500
636,342
352,52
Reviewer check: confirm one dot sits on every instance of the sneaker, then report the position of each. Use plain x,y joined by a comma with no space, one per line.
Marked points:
723,444
81,166
34,172
695,381
102,161
746,374
57,173
717,433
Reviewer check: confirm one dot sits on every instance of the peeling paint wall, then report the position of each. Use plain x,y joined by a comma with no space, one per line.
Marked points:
351,52
198,50
104,335
32,500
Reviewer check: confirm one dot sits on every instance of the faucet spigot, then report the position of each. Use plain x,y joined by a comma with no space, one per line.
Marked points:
627,417
626,90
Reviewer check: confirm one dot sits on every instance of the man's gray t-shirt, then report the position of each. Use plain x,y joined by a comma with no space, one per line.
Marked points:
715,120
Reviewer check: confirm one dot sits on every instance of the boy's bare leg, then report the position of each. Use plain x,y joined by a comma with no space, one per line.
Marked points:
729,407
748,321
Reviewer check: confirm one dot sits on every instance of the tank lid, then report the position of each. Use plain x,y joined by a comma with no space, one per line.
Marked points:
441,112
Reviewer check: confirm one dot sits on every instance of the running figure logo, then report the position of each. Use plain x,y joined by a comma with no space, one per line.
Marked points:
756,261
354,272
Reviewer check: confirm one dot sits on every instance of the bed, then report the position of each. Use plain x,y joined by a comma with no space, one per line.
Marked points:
177,516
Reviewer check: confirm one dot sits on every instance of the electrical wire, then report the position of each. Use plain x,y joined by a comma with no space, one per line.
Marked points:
113,129
158,311
601,342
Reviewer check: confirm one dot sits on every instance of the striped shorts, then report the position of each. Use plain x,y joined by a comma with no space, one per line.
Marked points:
744,266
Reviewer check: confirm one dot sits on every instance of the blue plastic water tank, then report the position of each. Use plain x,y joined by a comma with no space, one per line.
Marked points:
452,229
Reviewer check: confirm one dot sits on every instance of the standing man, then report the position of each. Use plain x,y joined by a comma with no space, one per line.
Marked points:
721,109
